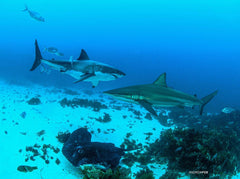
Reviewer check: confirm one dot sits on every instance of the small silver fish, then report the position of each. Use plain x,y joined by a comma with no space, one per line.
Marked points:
228,110
215,156
53,50
178,149
34,15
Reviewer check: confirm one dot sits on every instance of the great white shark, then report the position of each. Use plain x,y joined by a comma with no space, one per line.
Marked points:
82,69
159,94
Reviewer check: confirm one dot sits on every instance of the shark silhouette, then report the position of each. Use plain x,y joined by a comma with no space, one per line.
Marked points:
82,69
158,94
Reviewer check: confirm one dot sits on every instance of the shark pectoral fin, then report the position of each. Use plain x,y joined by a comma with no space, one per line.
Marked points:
163,121
181,106
206,99
84,77
63,70
147,106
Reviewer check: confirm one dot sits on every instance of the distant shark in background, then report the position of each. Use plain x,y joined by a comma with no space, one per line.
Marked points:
158,94
82,69
34,15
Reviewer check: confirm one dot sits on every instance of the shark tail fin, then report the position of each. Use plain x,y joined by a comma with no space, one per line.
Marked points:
38,57
206,99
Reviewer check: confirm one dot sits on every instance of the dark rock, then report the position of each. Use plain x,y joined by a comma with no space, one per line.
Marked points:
148,116
25,168
57,161
23,115
32,158
63,136
56,150
124,116
42,132
34,101
105,118
80,150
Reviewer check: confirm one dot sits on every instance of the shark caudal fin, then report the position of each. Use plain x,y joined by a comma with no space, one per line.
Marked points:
38,57
206,99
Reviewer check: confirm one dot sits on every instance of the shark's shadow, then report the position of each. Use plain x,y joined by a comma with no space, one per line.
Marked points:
79,150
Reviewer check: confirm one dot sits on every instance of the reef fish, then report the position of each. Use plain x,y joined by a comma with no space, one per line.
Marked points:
228,110
53,50
34,15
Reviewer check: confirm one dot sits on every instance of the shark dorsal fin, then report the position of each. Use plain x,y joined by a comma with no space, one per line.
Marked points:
161,80
83,55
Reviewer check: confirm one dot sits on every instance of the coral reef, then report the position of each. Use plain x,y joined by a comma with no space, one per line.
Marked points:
145,174
134,155
170,174
90,172
42,151
76,102
191,150
105,118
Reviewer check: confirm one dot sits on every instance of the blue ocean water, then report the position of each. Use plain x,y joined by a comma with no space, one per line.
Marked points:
195,42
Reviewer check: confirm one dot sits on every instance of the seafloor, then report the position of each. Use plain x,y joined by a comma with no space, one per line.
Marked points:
32,117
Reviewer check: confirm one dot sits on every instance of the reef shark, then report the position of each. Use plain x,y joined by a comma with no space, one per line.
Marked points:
159,94
82,69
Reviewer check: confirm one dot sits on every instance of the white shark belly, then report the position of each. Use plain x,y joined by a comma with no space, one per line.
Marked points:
53,65
74,74
101,77
98,76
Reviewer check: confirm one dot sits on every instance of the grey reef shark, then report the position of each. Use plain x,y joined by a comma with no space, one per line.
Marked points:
82,69
34,15
159,94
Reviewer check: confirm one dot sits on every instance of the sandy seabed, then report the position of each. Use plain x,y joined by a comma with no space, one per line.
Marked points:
22,122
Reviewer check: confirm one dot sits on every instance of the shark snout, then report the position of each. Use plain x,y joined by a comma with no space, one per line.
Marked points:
118,74
115,92
112,93
109,92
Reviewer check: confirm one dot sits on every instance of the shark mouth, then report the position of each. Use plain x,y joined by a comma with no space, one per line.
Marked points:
115,76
